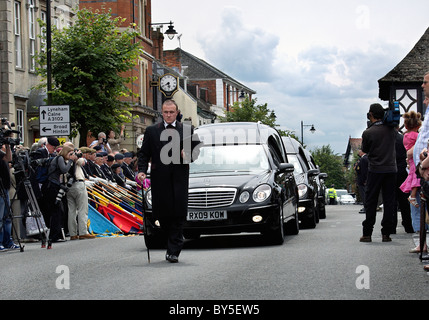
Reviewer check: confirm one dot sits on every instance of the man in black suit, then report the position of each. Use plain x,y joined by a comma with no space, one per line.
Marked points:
127,166
169,173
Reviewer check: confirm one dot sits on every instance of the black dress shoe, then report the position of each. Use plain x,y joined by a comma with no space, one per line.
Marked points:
409,229
172,258
386,238
365,239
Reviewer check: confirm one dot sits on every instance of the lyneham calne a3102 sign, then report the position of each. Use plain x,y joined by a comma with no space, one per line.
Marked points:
54,120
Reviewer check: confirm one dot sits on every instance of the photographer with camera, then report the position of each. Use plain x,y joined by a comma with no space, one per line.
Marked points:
41,157
6,242
102,142
378,141
54,190
77,199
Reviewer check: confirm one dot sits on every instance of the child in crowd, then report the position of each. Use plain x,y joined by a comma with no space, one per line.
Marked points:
412,122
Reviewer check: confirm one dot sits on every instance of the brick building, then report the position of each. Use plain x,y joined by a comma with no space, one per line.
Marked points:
144,104
214,89
204,93
19,42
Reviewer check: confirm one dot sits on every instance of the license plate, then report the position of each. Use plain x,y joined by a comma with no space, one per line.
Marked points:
206,215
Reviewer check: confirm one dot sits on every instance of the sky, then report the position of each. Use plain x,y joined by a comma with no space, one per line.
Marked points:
315,61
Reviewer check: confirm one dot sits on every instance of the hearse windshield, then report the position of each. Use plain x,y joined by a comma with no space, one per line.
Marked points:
231,158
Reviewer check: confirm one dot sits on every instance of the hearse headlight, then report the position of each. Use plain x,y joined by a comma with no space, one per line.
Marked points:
262,193
302,190
244,196
148,196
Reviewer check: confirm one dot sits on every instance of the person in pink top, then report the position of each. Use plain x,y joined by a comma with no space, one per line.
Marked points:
412,122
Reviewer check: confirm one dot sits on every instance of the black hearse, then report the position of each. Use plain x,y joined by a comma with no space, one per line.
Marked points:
242,181
306,180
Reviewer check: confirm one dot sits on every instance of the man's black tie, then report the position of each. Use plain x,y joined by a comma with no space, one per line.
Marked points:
170,126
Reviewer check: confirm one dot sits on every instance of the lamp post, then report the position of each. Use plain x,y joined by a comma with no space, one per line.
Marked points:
228,92
312,130
48,50
170,32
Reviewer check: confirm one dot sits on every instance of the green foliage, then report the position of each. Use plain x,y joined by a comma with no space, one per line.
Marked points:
332,165
248,111
89,60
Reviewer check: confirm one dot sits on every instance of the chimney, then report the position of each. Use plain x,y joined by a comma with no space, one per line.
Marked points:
158,44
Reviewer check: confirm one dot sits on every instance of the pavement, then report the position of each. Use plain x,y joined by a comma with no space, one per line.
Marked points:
324,263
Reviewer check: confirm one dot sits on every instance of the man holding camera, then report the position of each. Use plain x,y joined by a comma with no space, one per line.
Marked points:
378,141
102,142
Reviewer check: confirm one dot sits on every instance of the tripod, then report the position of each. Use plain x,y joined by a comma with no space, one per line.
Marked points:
35,223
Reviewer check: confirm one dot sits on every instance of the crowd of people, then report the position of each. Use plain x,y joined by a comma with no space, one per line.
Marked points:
396,167
57,178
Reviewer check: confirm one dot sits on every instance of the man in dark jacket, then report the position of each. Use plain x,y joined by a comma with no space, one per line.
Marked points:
378,141
169,173
127,166
361,168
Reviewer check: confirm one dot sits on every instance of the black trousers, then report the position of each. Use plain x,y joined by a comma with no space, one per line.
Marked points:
362,193
402,202
172,228
386,183
55,210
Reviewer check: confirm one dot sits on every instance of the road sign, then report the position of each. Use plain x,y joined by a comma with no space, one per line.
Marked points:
51,129
54,120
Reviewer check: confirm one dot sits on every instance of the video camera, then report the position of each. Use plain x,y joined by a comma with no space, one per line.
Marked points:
392,115
5,136
5,133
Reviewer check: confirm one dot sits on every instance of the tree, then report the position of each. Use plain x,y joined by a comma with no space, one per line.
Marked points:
248,111
89,63
331,164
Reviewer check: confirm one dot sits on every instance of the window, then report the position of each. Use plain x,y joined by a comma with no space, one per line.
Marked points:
143,83
20,124
142,17
31,35
17,30
43,32
234,159
56,23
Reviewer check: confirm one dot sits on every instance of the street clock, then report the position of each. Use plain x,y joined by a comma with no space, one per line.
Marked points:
168,85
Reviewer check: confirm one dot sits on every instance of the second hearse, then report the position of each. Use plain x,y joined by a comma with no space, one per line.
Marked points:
241,182
305,177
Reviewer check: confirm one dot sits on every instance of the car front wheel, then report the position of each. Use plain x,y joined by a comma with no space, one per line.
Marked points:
292,226
276,234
